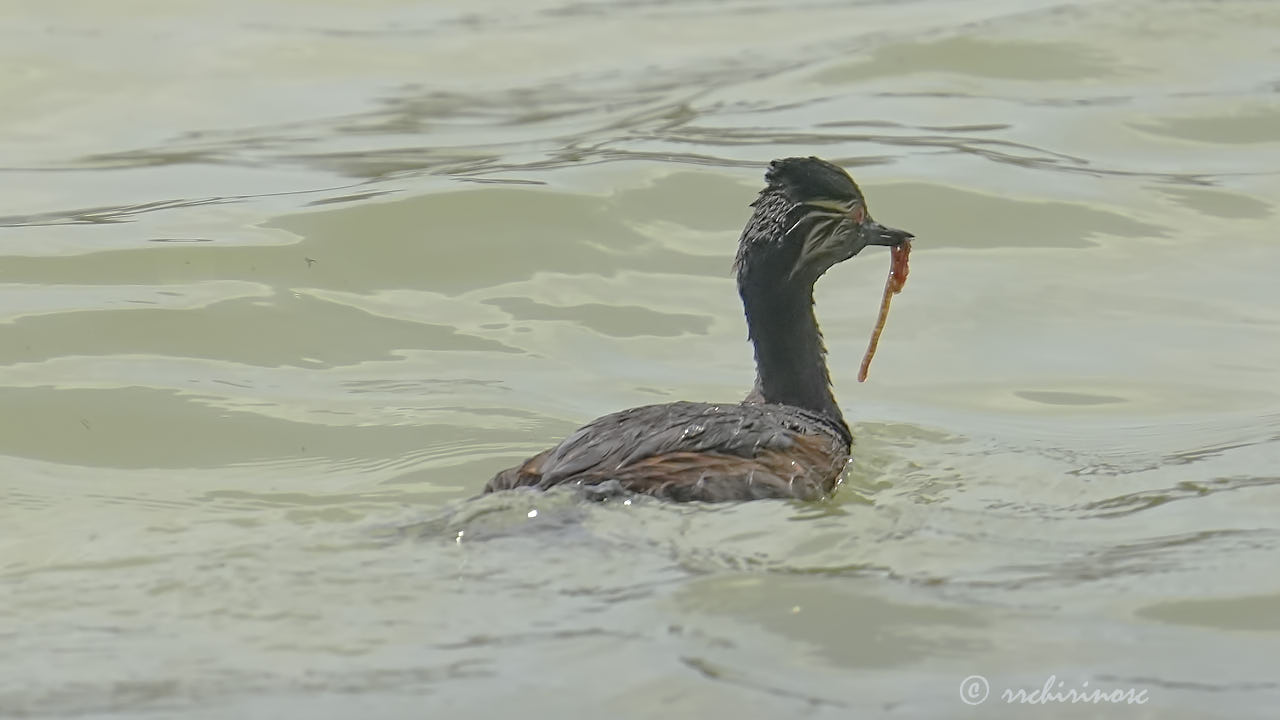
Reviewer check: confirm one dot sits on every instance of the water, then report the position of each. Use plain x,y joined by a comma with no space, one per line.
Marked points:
284,283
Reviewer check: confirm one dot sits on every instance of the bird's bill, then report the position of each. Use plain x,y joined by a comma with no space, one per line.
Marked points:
873,233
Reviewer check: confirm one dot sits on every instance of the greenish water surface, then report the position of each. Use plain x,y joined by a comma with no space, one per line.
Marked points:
283,283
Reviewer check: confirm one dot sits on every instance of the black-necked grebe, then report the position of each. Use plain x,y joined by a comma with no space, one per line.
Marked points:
787,439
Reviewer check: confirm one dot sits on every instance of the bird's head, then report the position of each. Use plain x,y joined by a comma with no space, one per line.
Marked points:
810,216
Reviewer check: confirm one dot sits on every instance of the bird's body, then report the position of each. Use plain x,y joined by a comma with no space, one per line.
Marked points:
788,438
696,451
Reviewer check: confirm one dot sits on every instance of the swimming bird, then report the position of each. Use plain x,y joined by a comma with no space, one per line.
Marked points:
787,438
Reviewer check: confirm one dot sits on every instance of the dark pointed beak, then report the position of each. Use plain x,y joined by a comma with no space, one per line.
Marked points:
873,233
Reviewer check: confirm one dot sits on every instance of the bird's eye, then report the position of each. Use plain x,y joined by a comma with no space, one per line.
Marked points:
858,213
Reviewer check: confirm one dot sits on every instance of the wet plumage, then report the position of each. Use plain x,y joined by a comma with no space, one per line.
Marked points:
696,451
788,438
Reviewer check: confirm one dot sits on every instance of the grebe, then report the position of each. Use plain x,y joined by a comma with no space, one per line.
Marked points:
787,438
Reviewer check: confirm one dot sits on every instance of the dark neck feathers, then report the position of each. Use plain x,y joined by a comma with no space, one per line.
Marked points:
791,364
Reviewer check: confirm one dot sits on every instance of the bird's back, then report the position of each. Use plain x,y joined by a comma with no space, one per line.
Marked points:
696,451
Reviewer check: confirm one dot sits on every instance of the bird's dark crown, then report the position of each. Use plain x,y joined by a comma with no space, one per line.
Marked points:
803,179
801,207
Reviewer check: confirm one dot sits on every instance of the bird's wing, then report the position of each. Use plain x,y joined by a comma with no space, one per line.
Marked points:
693,451
625,438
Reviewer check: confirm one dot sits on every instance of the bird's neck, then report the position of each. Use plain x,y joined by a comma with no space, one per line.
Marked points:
791,361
